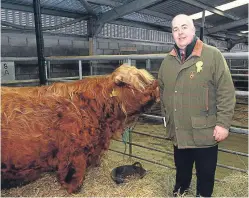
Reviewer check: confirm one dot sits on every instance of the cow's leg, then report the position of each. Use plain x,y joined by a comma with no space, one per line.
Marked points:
96,161
95,158
71,176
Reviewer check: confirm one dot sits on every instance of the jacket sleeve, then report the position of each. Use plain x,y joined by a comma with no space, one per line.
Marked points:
225,92
161,88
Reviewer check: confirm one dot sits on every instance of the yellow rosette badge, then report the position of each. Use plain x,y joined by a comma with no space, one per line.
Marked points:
199,66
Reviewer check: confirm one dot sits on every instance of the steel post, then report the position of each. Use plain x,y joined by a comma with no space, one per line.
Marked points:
39,41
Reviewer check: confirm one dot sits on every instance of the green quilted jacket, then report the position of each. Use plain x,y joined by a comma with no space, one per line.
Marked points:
196,95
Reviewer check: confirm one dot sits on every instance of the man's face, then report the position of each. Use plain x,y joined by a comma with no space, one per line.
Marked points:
183,31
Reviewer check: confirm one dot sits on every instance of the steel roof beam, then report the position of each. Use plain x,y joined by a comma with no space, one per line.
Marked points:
227,26
228,36
156,14
243,40
105,2
87,7
144,25
210,9
237,34
120,11
232,43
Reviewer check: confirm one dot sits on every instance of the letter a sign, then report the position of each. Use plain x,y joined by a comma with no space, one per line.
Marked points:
7,71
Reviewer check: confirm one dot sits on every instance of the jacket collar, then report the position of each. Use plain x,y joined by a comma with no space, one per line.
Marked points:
196,50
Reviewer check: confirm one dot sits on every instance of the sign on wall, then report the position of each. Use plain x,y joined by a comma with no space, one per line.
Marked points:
7,71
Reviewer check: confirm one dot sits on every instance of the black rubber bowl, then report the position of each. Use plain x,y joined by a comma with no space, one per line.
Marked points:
121,173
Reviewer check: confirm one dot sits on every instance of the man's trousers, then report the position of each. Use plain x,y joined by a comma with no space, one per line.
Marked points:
205,163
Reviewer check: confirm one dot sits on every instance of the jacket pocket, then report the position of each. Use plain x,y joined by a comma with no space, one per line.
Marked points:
203,129
167,119
205,96
169,132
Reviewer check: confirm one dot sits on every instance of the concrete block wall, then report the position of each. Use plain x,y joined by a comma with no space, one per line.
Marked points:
116,46
18,44
113,46
24,45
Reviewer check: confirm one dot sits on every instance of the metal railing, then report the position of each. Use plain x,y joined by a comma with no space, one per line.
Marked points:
131,144
231,129
126,58
241,55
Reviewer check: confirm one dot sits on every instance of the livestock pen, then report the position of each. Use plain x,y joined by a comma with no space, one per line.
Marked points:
146,143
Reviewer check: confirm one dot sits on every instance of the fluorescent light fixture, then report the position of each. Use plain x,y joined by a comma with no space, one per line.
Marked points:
223,7
244,32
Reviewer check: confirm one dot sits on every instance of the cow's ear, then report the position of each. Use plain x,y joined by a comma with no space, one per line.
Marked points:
119,80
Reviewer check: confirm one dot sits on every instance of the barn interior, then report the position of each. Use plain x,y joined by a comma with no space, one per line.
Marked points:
47,41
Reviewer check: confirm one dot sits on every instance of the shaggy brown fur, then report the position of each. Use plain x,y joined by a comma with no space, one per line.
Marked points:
66,126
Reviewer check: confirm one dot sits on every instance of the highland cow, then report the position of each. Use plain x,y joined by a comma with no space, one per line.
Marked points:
65,127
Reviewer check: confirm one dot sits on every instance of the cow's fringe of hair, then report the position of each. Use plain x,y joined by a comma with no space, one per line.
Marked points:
138,78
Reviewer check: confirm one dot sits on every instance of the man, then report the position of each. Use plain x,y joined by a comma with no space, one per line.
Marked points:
197,99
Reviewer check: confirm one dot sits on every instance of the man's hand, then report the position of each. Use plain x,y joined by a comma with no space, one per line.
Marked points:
220,133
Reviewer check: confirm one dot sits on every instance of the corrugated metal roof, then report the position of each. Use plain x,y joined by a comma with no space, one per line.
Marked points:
69,5
99,9
241,12
23,2
63,5
173,7
215,20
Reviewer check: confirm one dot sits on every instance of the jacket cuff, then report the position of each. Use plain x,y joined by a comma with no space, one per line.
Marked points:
223,125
